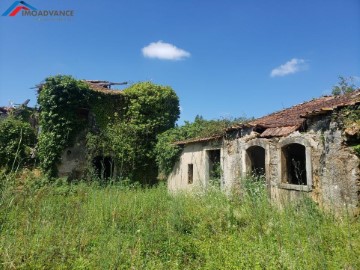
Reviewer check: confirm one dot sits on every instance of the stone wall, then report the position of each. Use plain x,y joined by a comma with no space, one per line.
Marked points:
73,161
332,168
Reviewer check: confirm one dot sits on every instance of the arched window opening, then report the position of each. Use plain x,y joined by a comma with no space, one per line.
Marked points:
256,160
294,164
103,166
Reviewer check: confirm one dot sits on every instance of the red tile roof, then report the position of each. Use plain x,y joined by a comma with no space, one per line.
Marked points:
294,116
279,131
286,121
194,140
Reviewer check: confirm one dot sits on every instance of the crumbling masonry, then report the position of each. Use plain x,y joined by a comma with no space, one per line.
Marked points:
303,150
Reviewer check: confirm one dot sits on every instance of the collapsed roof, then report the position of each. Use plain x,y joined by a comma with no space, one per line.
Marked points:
96,85
103,86
286,121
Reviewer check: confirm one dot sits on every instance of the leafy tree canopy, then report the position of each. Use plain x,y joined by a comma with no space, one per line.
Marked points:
151,109
344,86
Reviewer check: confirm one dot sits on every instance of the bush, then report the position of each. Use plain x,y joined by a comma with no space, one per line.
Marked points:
17,140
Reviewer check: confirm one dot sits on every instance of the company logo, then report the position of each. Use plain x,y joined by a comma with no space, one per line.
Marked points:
16,7
29,11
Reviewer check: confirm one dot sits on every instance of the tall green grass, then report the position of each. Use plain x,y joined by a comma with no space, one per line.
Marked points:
86,226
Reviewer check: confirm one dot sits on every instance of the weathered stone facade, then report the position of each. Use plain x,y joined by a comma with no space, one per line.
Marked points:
315,160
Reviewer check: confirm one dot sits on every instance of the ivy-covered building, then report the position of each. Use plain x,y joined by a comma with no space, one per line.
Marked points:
311,149
89,130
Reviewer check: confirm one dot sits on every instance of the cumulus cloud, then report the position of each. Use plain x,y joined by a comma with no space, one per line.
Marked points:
164,51
290,67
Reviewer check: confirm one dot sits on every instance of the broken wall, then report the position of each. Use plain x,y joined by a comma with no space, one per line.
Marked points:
331,167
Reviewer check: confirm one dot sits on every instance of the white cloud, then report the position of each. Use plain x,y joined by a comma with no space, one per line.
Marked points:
290,67
164,51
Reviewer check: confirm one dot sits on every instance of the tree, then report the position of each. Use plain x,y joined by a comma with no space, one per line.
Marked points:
150,110
345,85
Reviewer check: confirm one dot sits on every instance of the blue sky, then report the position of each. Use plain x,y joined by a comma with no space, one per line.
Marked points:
223,58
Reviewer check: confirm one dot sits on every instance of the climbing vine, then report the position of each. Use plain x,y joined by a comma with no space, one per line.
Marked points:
123,124
59,98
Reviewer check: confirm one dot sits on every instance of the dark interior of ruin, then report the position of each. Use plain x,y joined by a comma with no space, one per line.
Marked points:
104,167
190,173
256,161
294,164
214,165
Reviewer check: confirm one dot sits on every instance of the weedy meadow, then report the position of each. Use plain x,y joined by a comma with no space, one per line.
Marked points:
85,225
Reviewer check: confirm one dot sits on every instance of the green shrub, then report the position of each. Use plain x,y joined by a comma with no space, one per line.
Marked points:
17,140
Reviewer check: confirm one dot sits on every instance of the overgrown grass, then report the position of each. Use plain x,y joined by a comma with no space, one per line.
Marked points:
118,227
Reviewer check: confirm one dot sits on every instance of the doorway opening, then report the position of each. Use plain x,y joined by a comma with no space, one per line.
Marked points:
214,169
103,166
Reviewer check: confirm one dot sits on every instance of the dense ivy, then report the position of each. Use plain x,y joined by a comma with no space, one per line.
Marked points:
123,125
17,140
59,98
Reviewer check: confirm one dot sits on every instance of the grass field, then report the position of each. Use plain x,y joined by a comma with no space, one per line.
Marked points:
82,226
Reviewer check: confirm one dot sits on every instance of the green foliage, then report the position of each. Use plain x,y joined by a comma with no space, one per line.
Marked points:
106,108
167,153
351,115
59,99
17,139
125,123
215,174
117,227
344,86
124,140
348,118
356,149
151,109
130,136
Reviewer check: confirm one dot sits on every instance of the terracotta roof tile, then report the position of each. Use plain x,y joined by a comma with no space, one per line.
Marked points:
294,116
286,121
195,140
278,131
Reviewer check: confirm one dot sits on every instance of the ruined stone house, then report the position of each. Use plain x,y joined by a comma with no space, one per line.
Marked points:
307,149
74,160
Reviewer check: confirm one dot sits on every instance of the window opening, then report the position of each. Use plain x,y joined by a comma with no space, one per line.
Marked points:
256,160
190,173
294,164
